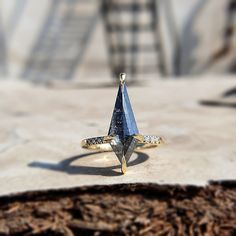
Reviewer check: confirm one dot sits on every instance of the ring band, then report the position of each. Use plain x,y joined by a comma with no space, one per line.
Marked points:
102,143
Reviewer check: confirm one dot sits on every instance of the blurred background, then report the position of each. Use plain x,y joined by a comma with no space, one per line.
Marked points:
48,41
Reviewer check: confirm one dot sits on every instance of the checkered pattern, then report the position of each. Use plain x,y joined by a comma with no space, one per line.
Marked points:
133,38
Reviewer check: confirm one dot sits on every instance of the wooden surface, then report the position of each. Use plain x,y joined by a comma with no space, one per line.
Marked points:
41,129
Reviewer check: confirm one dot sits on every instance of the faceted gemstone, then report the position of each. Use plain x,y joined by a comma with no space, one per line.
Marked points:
123,125
123,122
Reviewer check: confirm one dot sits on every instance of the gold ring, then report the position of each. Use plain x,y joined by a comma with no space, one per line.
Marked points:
123,136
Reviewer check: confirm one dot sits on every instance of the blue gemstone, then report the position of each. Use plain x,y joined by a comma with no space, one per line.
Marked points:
123,123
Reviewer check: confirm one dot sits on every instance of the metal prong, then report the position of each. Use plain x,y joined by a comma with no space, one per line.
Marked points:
123,165
161,140
122,78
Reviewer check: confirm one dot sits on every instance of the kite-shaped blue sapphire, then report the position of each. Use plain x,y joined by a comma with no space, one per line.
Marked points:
123,126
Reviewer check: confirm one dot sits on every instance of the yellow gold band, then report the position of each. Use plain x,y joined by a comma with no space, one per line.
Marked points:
102,143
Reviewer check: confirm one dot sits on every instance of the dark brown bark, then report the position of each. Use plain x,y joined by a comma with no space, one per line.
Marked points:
131,209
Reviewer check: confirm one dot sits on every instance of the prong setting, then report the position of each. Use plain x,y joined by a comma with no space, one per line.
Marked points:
122,78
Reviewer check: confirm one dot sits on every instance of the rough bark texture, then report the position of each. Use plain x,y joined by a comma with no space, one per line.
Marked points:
131,209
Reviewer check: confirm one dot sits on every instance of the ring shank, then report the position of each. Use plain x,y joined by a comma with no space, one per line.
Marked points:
102,143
